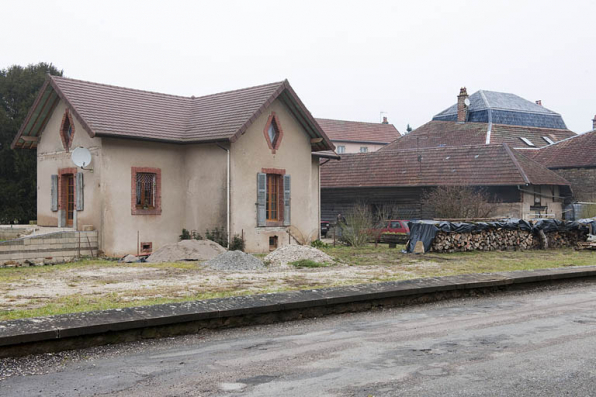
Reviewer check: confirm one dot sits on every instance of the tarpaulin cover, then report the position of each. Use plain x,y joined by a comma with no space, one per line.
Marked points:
426,231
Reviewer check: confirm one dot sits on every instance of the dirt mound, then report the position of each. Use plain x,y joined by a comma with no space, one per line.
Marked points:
187,250
292,253
235,260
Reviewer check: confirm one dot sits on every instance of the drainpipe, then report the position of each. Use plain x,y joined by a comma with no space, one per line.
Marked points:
227,193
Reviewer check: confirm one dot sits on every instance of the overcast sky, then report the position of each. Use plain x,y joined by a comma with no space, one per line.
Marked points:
345,59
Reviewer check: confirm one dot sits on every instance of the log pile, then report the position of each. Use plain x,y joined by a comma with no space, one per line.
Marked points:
502,240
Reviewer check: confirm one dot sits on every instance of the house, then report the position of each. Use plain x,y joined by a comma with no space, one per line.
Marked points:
488,117
358,137
521,187
575,160
246,161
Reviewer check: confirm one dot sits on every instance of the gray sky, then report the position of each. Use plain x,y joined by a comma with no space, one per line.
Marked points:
345,59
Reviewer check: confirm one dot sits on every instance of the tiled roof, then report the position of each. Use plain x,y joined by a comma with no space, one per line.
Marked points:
504,108
112,111
450,133
355,131
578,151
478,165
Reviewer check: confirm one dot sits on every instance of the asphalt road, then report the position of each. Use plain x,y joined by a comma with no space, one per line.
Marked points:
535,343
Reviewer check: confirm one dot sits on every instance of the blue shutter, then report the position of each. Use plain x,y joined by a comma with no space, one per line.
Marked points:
54,192
261,199
79,195
287,200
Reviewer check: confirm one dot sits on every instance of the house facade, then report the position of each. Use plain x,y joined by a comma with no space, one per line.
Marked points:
357,136
245,161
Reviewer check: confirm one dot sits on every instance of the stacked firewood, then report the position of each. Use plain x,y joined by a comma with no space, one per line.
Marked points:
503,239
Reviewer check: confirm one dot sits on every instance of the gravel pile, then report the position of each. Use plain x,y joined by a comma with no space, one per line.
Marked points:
235,260
282,256
187,250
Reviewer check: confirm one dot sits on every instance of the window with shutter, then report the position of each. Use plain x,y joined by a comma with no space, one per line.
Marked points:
261,199
79,196
54,192
286,200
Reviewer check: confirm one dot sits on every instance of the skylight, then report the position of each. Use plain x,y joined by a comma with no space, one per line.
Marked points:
548,140
527,141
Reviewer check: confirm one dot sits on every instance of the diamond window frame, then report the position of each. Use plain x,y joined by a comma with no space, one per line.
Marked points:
273,121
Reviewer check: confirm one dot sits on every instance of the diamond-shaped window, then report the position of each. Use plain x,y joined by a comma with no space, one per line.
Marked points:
273,132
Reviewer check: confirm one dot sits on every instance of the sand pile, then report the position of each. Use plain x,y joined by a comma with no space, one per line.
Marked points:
235,260
187,250
292,253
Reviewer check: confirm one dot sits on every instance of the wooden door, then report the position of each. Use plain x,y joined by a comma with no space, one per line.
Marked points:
69,195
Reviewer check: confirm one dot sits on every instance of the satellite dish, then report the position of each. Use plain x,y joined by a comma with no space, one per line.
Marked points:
467,101
81,157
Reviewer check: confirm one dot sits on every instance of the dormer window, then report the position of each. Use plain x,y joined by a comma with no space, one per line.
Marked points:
548,140
67,130
273,132
527,141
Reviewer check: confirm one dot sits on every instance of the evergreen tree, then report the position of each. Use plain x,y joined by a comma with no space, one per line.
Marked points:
18,168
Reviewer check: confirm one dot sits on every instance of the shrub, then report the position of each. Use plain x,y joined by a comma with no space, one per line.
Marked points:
357,229
237,244
185,235
217,235
319,244
459,202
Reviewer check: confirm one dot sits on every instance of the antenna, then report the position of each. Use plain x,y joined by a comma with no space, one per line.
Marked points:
81,157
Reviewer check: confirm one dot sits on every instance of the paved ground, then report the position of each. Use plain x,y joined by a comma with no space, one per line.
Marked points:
517,344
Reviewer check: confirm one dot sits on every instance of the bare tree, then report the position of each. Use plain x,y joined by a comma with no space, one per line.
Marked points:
358,227
459,202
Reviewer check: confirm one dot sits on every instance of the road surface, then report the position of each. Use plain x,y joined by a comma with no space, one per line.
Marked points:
534,343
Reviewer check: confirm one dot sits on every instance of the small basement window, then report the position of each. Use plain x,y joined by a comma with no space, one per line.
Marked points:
527,141
548,140
273,241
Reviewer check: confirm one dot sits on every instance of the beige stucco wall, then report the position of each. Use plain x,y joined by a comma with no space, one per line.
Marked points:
119,228
355,147
249,155
51,156
206,176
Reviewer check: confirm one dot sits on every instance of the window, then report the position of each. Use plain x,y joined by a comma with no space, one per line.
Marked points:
363,149
146,191
67,130
272,205
341,149
273,132
548,140
527,141
273,197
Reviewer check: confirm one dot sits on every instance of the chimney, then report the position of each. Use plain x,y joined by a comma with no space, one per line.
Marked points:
462,109
385,120
539,102
594,123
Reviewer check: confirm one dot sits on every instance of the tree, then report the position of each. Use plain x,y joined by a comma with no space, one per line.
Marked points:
18,168
459,202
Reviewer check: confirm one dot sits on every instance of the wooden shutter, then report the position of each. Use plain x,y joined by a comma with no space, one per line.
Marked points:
286,200
54,192
261,199
79,193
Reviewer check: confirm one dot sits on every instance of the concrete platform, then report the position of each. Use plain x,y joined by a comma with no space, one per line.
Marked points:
63,332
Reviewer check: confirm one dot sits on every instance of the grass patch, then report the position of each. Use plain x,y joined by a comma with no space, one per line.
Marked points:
307,263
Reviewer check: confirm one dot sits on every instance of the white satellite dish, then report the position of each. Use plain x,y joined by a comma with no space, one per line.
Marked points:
467,101
81,157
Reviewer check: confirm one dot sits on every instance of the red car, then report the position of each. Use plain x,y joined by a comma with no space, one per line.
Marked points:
395,229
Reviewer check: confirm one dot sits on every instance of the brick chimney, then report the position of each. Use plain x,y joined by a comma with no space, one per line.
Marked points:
539,102
462,109
385,120
594,123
